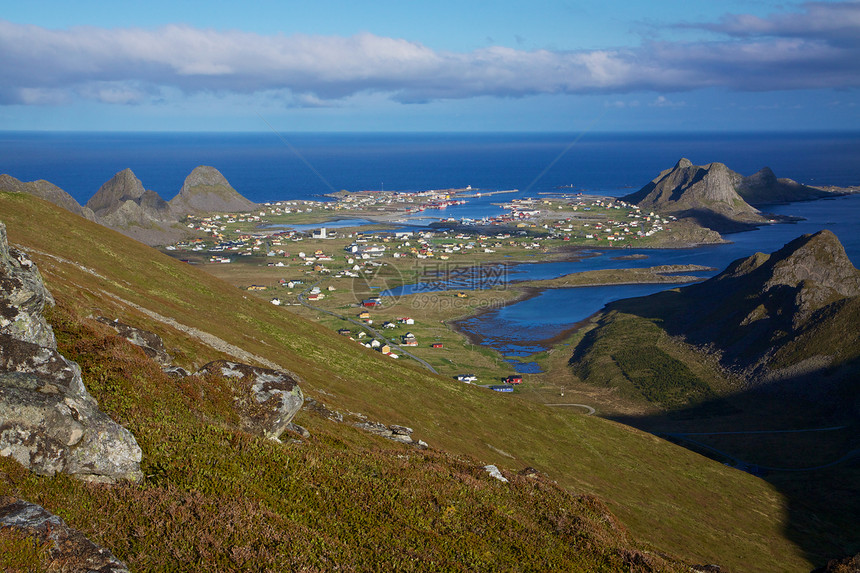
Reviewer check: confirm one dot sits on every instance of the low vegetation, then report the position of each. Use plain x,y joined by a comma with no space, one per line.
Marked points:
216,498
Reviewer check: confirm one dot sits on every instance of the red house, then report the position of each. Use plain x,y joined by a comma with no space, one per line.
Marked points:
436,345
516,379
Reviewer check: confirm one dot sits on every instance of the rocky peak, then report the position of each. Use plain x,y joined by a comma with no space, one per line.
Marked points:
704,193
818,258
206,190
782,291
764,176
204,175
122,187
683,163
763,187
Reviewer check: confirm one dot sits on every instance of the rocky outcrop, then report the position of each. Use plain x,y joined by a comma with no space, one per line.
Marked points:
67,549
705,194
48,421
395,432
205,190
265,400
122,201
47,191
23,297
150,342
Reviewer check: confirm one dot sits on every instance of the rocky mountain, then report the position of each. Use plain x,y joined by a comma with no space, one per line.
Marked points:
764,188
205,190
786,316
47,191
122,201
771,314
124,205
706,194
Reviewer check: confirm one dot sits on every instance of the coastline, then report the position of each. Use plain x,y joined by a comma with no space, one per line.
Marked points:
531,289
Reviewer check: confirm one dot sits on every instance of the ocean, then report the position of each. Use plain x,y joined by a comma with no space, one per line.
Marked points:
270,167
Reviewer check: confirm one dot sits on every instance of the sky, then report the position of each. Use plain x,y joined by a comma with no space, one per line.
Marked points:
407,65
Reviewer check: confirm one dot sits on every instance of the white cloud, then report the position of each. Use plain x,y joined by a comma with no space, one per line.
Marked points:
663,101
818,47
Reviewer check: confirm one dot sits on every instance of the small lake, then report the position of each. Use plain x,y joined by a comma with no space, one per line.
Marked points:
533,325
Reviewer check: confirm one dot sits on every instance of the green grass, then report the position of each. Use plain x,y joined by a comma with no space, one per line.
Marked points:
203,474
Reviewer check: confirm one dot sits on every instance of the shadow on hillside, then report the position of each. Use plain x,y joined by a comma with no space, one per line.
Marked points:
717,221
818,472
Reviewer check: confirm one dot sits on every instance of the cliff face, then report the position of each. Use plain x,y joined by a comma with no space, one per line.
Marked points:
47,191
704,193
205,190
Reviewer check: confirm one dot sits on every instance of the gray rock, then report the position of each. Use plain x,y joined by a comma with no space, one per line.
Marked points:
176,371
150,342
400,430
494,472
321,409
48,421
23,297
68,549
266,400
300,430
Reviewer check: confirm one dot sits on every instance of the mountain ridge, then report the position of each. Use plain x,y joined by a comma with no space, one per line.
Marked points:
717,197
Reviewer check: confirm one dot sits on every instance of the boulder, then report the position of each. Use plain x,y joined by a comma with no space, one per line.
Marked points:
494,472
150,342
266,400
49,423
67,549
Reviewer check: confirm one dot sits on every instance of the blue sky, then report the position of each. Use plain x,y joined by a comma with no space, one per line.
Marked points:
334,65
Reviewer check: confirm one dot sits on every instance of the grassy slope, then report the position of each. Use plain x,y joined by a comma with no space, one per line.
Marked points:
665,495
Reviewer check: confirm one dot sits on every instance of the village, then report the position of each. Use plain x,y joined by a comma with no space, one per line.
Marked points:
345,277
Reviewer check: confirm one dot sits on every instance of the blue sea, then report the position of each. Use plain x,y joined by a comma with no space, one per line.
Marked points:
269,166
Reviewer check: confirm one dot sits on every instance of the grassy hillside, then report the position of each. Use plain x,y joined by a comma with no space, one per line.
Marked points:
219,499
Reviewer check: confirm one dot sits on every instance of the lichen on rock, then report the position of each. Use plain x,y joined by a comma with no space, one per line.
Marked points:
48,421
266,400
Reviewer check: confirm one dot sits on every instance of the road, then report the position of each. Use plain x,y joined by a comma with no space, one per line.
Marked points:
590,410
